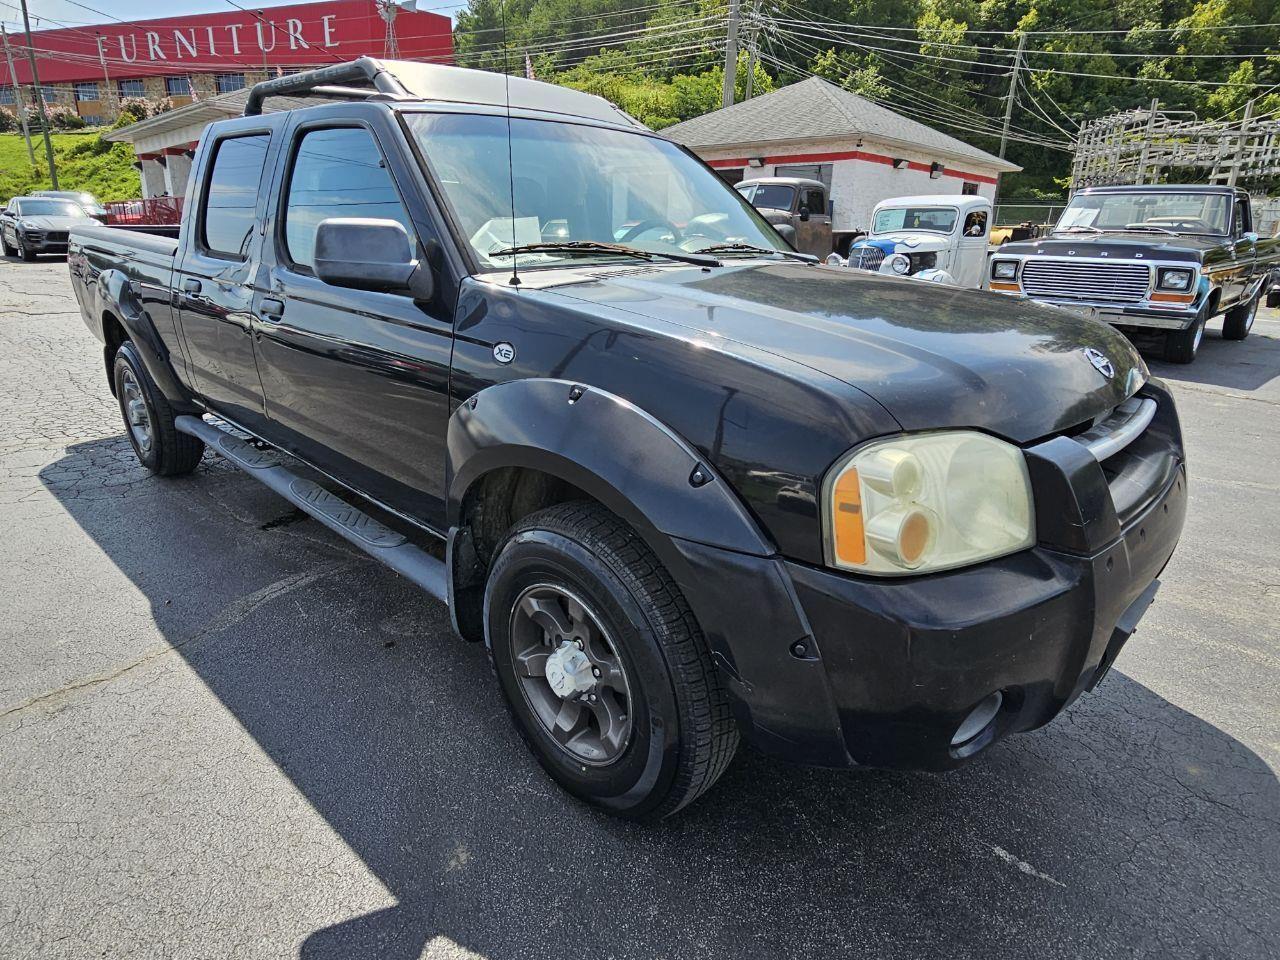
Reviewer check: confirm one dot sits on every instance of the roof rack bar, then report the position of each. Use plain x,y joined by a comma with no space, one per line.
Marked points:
364,70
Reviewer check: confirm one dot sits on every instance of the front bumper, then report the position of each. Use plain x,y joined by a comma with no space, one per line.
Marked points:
1145,314
840,670
40,243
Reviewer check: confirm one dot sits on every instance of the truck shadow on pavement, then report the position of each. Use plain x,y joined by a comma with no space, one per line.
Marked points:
1127,827
1246,365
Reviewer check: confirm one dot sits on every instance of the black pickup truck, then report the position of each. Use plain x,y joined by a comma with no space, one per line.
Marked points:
1152,260
691,487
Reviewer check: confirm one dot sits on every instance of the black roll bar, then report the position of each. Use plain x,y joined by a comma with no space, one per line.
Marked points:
329,81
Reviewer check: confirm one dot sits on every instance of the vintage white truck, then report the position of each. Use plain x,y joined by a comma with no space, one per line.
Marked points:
942,238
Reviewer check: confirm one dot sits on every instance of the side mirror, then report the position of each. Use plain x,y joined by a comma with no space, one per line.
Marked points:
804,213
367,254
1249,237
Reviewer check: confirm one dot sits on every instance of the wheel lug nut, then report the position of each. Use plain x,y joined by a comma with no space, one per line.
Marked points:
580,647
595,671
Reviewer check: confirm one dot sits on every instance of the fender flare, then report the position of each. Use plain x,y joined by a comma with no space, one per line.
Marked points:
115,296
607,447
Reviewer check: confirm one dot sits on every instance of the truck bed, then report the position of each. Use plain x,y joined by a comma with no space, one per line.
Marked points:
159,240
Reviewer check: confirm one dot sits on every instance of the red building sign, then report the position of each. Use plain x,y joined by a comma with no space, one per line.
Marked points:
307,34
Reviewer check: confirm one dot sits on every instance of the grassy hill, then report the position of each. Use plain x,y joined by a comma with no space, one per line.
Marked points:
85,162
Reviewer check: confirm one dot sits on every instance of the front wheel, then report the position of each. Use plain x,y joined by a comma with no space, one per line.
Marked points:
25,252
603,666
1181,346
1239,320
149,420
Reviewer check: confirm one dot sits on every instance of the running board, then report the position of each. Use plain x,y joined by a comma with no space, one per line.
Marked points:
374,538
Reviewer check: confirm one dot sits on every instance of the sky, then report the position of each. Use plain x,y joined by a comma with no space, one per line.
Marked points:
78,13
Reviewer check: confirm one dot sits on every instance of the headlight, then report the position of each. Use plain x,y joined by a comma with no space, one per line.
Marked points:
900,264
933,501
1004,270
1175,278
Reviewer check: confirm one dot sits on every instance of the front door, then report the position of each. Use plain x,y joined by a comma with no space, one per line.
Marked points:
214,279
813,235
356,382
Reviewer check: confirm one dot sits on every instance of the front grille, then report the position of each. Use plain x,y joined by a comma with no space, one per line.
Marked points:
57,236
1086,280
866,258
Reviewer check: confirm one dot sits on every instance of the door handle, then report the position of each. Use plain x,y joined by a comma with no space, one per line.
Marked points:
271,309
191,285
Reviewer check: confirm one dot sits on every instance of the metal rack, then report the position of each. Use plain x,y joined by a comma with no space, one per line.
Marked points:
1152,146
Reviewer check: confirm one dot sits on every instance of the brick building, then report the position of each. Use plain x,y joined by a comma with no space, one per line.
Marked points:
192,58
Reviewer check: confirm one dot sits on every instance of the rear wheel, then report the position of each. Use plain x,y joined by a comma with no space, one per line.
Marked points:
1181,346
4,245
148,419
603,666
1239,320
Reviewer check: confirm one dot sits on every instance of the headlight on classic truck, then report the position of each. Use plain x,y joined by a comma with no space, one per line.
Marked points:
1175,278
1004,270
932,501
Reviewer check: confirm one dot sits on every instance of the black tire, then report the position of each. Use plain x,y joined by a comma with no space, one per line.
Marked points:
682,734
28,255
4,246
169,452
1239,320
1181,346
1273,298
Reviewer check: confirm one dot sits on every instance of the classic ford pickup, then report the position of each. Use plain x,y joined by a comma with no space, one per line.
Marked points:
689,487
1165,259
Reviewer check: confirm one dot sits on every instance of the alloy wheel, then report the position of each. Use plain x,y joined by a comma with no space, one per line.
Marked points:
570,674
137,416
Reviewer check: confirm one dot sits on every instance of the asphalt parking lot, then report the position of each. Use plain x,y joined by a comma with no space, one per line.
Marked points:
224,733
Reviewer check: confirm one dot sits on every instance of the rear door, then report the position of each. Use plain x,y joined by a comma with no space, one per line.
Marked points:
356,382
221,254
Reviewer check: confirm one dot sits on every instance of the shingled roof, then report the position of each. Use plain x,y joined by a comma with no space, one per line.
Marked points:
816,109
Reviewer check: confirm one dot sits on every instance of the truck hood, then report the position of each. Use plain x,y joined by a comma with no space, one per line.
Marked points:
934,356
54,223
904,241
1116,246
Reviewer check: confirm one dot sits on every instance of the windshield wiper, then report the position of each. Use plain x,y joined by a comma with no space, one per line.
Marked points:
1149,227
752,248
1077,226
591,248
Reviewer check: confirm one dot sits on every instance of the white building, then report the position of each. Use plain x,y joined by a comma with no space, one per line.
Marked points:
863,152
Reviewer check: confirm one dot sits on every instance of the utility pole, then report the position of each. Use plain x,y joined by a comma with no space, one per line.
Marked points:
1239,160
35,80
753,35
1013,89
730,53
17,95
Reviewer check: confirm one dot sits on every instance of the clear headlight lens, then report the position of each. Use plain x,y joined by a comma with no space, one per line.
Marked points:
933,501
900,264
1175,279
1004,269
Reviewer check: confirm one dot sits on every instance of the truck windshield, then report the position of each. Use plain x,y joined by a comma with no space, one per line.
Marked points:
575,182
774,196
1155,210
51,208
931,219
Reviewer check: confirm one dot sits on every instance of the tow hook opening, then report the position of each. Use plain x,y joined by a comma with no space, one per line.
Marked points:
977,722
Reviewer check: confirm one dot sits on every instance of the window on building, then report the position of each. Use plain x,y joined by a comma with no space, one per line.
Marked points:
806,171
131,88
86,92
177,86
337,173
6,95
231,197
95,119
732,176
50,94
969,190
229,82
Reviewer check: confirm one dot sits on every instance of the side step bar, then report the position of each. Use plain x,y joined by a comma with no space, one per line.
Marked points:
374,538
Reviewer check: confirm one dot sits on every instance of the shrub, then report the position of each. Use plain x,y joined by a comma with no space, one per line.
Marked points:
8,121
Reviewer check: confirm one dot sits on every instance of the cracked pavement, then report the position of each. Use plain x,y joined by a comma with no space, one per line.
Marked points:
224,733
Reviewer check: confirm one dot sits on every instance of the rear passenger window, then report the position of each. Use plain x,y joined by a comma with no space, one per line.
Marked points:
336,173
232,195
